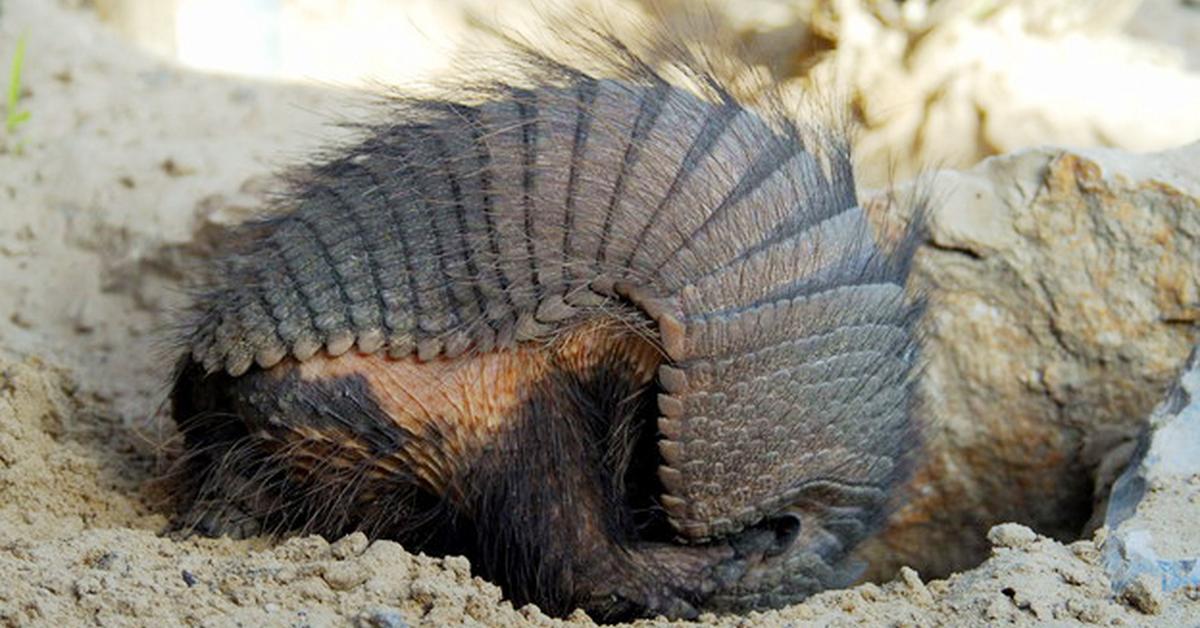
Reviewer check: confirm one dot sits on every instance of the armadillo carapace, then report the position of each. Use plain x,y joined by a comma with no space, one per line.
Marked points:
627,346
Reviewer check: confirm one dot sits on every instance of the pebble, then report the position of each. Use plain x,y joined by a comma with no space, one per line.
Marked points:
343,576
459,566
382,617
1145,594
349,546
188,578
1013,535
423,593
312,589
913,580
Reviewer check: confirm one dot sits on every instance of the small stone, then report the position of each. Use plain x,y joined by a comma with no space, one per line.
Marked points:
870,592
304,547
387,553
459,566
913,580
530,611
1145,594
88,585
382,617
1013,535
349,546
344,576
1072,575
1085,551
423,593
312,589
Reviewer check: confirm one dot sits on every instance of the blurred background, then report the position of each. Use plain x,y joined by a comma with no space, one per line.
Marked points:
932,83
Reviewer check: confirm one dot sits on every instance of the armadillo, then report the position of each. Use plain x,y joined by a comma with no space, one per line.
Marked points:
630,346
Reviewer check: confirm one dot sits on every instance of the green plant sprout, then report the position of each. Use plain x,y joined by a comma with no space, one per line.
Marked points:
15,116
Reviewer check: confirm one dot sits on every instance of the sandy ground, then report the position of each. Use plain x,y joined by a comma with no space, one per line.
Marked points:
107,194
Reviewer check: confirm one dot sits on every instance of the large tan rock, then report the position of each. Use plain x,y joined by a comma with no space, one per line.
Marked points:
1064,293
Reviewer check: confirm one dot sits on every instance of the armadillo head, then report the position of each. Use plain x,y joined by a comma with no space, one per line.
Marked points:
782,558
767,566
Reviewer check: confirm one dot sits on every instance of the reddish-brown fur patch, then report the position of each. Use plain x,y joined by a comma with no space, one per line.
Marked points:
458,407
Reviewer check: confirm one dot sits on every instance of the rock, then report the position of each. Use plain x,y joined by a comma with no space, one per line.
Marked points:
1011,535
345,575
1063,291
1145,594
1147,551
458,565
920,593
382,617
349,546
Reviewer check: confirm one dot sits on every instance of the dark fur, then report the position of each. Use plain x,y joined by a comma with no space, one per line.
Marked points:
578,452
